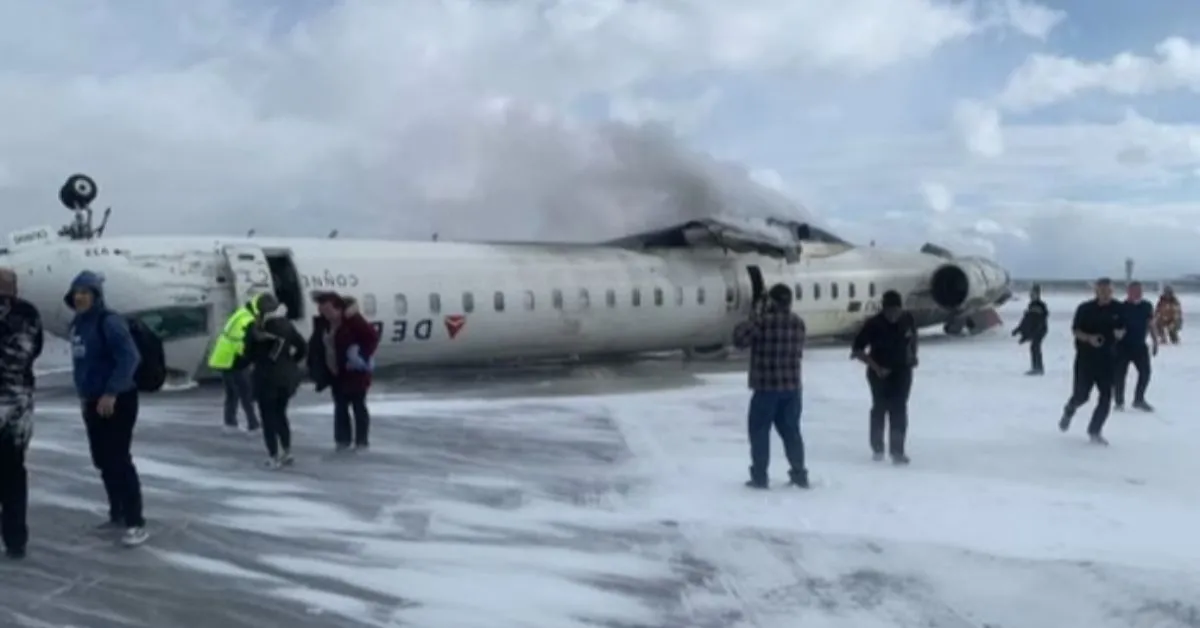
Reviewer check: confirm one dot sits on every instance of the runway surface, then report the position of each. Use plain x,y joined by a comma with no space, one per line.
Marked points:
532,500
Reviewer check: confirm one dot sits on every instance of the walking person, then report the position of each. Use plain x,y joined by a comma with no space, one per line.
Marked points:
887,344
275,350
341,356
1098,325
1033,328
228,357
105,361
1132,349
775,336
21,339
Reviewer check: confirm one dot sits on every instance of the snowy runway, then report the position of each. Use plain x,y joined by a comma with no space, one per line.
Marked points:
528,509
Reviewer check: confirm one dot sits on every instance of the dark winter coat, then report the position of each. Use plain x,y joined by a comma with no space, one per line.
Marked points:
354,330
20,344
1035,323
275,349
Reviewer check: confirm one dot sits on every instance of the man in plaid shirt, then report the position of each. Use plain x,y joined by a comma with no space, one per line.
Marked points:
775,337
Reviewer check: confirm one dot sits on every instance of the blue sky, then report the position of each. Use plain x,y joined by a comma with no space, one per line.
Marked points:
1060,137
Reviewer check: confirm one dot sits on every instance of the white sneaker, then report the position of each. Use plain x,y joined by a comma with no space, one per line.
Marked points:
285,458
272,463
134,537
231,429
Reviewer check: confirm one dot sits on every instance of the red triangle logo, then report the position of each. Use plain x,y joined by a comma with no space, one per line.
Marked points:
454,324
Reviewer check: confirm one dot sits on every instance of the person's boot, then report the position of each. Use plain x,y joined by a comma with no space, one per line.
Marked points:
1097,439
799,479
1068,413
1143,406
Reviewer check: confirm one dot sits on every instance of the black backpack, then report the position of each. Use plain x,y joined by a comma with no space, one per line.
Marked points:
151,373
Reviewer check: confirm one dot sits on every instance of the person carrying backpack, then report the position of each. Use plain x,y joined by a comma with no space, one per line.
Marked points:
105,361
275,349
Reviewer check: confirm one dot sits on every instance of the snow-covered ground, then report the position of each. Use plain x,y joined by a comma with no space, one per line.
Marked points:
541,510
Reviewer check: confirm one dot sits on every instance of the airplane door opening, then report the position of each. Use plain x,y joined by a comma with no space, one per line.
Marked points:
251,272
757,289
286,280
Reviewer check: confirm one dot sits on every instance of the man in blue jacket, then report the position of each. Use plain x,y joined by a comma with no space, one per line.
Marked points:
105,360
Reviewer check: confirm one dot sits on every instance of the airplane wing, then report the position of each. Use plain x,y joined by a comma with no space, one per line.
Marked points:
775,238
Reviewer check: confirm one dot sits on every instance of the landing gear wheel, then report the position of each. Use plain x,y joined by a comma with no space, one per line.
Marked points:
78,192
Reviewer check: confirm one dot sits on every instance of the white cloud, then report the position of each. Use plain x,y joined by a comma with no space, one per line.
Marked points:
400,118
1031,19
1046,79
979,127
938,197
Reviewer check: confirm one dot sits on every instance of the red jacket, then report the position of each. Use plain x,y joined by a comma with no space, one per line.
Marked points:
354,330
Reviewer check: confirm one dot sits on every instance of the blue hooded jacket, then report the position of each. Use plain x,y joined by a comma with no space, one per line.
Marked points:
104,354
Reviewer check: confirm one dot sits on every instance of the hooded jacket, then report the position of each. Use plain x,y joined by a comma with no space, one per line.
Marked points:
20,344
104,356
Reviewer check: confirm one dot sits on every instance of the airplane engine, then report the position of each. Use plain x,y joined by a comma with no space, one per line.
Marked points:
967,284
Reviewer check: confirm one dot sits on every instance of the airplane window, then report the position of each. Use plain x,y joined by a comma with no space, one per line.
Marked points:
556,299
797,293
498,301
658,297
585,300
173,323
529,302
368,305
816,292
610,297
468,302
678,295
401,304
871,289
700,295
851,289
636,297
833,291
435,303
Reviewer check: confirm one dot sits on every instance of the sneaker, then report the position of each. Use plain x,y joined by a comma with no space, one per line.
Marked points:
900,460
252,429
798,480
362,447
1034,372
757,485
15,553
285,458
272,463
877,456
1143,406
1120,407
1097,439
342,447
134,537
231,429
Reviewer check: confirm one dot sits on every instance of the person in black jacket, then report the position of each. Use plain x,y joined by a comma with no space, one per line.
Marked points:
1098,325
887,344
275,350
1033,328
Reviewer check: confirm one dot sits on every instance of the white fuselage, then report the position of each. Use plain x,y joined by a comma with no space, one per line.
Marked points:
508,301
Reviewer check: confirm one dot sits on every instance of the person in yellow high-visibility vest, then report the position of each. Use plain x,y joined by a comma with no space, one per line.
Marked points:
228,357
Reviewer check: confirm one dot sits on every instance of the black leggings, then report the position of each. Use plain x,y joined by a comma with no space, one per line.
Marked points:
272,409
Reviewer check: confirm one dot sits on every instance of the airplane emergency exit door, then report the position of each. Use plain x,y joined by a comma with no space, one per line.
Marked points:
250,271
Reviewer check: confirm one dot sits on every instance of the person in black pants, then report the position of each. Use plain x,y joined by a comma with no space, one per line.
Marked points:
1098,325
21,339
105,359
1033,328
887,344
1132,349
341,356
275,350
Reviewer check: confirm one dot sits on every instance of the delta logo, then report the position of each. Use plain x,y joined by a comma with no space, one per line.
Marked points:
455,324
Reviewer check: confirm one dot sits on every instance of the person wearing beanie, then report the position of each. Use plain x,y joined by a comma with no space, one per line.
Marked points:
887,344
1033,328
1098,325
775,336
